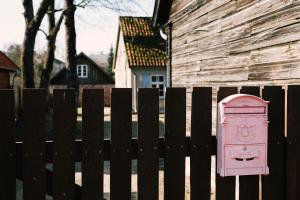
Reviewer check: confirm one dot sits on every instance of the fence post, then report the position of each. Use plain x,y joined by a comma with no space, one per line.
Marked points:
148,143
34,173
249,185
273,185
175,128
293,142
201,143
7,145
225,187
92,143
63,147
121,128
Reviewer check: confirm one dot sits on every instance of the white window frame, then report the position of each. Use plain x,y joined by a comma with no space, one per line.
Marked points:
157,83
80,69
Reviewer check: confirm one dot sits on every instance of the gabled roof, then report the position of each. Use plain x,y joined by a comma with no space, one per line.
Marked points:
161,12
144,46
6,63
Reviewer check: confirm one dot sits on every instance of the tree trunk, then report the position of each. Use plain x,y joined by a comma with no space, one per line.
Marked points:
72,78
27,58
52,34
33,23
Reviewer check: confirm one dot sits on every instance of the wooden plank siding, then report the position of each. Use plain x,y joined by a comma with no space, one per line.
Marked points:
217,42
4,79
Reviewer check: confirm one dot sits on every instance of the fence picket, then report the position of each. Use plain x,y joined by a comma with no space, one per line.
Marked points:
63,147
92,144
7,145
148,143
175,127
293,142
201,143
273,185
121,128
34,173
225,187
249,185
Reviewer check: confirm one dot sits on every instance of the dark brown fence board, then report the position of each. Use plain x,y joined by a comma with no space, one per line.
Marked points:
92,144
34,173
121,128
63,158
201,143
249,185
7,145
273,185
225,186
293,142
148,143
175,128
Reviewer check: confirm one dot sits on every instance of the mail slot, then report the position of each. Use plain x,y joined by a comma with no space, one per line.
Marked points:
242,136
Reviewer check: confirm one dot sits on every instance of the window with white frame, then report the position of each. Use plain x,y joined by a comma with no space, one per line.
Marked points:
82,71
158,81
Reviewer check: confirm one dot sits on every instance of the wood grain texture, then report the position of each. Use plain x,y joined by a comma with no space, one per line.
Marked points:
7,145
121,127
34,173
273,185
175,126
148,143
92,144
64,120
201,144
217,42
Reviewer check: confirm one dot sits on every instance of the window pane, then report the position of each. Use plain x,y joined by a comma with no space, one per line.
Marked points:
153,78
161,93
161,86
161,78
153,86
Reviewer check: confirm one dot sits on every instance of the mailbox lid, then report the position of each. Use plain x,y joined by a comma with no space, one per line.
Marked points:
243,101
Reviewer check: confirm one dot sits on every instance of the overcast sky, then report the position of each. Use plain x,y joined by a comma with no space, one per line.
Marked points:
96,27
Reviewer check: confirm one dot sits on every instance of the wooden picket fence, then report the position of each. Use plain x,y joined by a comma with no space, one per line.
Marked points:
26,160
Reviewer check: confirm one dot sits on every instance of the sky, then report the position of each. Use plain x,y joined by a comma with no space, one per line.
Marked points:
96,27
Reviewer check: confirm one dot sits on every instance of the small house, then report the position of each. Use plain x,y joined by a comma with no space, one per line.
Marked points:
88,72
8,72
140,57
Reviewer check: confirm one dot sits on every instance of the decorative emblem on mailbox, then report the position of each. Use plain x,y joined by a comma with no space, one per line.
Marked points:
242,135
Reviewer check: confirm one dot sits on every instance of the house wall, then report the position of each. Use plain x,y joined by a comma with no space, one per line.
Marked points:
142,77
123,74
95,75
235,42
4,79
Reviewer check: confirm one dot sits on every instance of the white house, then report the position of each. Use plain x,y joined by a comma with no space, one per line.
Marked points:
140,57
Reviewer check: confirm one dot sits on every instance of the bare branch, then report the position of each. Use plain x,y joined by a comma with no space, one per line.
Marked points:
46,35
41,13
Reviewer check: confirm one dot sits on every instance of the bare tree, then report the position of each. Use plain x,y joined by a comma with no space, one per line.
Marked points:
33,22
53,29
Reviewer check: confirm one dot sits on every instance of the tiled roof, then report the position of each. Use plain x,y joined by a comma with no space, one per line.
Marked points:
6,63
144,46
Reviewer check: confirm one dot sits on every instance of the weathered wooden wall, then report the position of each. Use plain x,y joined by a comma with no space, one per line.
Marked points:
4,79
235,42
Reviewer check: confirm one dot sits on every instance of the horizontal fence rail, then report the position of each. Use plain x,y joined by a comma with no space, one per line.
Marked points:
25,149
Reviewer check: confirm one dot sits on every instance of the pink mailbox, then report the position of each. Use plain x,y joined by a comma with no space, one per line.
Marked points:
242,135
